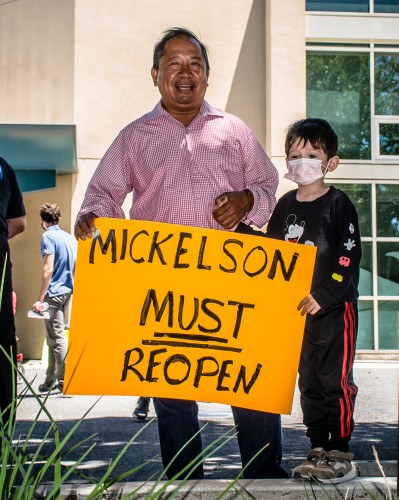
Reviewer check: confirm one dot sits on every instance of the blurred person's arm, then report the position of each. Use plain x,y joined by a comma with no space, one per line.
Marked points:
48,268
16,226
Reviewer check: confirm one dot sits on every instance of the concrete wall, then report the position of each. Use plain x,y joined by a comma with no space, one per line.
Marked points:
36,61
36,87
285,77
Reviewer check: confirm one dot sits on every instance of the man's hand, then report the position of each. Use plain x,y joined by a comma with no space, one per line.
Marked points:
85,226
38,306
309,305
230,208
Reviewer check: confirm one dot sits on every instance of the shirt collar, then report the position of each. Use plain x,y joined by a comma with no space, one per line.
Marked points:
205,110
52,228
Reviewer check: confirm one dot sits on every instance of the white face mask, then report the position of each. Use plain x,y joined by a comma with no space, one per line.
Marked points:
305,171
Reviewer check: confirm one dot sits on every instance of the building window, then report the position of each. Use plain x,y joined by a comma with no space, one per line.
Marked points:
388,145
338,89
340,80
366,6
378,208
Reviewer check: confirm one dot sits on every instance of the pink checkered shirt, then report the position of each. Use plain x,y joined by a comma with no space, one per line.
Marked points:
176,172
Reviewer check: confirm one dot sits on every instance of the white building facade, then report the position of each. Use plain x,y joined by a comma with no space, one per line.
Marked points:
75,72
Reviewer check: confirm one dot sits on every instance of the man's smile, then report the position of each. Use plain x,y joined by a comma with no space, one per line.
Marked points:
184,87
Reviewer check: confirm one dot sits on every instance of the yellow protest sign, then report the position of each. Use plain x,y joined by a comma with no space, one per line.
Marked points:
189,313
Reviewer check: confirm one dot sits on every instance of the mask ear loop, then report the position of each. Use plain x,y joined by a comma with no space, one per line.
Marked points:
326,169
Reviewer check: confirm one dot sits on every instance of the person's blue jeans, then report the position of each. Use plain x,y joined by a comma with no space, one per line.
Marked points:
178,422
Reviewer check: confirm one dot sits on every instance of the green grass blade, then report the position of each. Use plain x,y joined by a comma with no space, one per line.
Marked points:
321,486
173,459
171,462
102,485
28,476
58,449
368,492
241,472
239,493
306,491
69,450
194,463
131,494
57,464
70,470
129,472
15,464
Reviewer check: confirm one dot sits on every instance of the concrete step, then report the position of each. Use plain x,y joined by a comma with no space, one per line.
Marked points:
260,489
369,468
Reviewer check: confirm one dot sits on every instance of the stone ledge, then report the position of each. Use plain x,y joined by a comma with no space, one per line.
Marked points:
259,489
369,468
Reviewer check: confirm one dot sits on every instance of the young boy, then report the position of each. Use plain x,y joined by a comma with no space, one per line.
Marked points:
323,216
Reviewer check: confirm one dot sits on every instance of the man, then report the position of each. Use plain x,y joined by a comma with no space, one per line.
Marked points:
58,249
188,163
12,222
142,408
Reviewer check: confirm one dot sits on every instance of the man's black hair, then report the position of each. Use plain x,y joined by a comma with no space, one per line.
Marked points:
317,131
159,48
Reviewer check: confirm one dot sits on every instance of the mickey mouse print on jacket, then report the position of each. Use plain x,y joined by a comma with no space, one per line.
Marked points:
331,224
295,231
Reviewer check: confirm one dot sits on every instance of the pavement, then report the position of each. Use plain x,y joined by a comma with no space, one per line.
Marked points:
110,421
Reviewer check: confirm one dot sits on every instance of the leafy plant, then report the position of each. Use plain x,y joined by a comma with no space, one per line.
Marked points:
21,474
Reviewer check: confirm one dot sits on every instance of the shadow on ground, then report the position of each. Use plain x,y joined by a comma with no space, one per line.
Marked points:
112,433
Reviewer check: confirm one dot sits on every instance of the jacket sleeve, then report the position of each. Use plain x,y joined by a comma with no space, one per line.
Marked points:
274,227
345,262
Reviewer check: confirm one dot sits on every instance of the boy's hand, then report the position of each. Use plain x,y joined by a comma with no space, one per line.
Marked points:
309,305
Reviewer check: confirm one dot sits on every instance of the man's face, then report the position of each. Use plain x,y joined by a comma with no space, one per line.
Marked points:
182,77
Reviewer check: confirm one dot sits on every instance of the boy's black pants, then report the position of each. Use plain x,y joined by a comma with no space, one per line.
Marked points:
328,391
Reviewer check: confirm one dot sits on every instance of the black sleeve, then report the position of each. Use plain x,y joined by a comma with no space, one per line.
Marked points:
275,227
345,262
245,229
16,206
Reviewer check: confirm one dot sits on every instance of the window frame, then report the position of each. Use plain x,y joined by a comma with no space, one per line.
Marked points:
372,49
374,240
383,119
370,12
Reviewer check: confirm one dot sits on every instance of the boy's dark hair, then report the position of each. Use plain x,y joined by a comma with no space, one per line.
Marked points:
317,131
50,213
159,48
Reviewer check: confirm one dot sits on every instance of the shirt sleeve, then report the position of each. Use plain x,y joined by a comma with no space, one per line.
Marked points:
261,177
110,183
345,261
47,246
245,229
16,206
